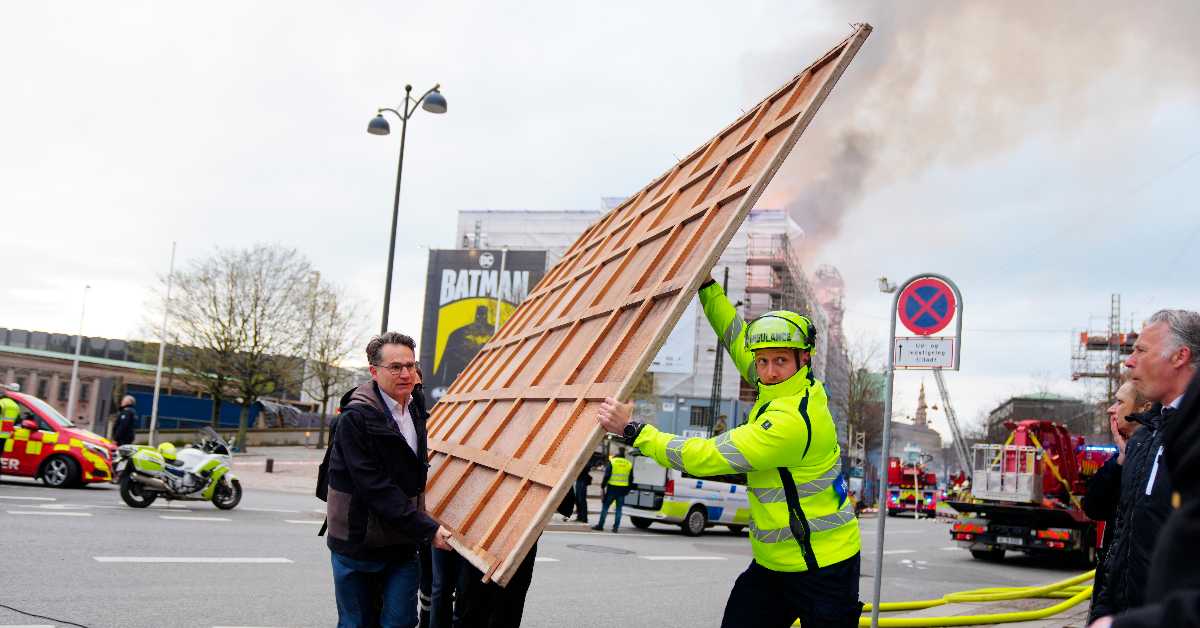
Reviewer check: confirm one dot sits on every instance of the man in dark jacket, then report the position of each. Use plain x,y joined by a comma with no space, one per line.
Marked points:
126,424
1164,360
376,480
1173,590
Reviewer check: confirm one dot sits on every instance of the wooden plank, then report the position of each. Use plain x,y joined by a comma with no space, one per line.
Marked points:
518,424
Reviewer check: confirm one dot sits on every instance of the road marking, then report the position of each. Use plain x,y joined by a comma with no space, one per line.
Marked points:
282,510
891,552
49,513
545,559
26,626
950,549
173,518
308,521
682,557
32,499
193,559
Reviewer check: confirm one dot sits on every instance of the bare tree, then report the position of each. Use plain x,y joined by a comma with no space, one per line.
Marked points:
332,336
206,326
270,315
863,403
236,320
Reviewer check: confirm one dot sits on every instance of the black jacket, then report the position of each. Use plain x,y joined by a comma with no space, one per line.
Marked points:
375,507
1100,503
123,429
1173,587
1145,505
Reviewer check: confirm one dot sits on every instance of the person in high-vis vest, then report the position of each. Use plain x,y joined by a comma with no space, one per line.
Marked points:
617,476
10,411
803,531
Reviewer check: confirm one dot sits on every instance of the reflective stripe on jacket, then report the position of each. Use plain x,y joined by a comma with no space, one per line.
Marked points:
789,429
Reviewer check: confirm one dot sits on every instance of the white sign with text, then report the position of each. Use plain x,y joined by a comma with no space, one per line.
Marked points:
923,352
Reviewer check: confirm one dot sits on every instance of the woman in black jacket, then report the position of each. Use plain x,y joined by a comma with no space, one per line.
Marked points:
1103,495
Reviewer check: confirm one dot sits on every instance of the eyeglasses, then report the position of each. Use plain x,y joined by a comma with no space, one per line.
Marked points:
395,368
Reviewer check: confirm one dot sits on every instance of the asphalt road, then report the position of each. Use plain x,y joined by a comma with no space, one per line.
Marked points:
82,556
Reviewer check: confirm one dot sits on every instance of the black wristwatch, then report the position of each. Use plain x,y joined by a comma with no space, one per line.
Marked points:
631,431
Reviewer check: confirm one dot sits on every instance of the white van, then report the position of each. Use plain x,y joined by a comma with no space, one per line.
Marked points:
658,494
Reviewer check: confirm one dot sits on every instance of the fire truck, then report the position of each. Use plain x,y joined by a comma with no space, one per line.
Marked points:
911,486
42,443
1026,495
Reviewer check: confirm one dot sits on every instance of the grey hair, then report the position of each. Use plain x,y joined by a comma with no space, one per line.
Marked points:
1184,328
375,347
128,400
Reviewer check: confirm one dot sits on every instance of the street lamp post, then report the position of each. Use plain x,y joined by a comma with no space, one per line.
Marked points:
75,363
433,102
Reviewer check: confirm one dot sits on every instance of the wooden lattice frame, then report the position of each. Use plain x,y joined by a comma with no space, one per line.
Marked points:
518,424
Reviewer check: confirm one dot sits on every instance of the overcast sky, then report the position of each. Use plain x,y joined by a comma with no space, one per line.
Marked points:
1041,157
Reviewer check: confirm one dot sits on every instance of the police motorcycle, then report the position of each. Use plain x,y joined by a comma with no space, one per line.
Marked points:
201,471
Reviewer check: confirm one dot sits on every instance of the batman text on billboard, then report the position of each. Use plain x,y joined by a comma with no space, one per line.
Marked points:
464,291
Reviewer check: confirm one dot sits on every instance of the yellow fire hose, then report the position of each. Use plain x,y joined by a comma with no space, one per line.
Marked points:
1071,589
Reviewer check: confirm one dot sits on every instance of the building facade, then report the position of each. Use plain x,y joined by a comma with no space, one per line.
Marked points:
1076,414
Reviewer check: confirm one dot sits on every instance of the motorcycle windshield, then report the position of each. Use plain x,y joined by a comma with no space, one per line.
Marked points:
211,441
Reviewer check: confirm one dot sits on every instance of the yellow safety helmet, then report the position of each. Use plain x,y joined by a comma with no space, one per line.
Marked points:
167,450
780,329
9,408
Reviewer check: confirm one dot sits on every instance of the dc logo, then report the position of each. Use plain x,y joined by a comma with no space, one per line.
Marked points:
486,260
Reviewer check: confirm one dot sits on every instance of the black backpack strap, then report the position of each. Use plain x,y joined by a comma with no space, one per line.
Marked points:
323,477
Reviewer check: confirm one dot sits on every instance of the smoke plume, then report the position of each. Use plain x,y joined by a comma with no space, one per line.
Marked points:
948,84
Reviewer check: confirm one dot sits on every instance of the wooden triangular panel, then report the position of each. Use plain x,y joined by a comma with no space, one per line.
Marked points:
518,424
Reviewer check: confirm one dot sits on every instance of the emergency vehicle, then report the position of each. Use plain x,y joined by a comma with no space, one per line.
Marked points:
658,494
911,486
42,443
1026,495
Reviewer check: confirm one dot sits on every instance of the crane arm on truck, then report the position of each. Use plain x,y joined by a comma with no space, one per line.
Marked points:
960,445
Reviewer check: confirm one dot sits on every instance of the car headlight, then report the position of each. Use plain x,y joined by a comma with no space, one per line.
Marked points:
99,450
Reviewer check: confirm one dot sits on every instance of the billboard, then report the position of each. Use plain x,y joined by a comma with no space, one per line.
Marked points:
464,290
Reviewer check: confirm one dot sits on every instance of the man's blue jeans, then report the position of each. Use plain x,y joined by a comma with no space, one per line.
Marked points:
613,494
374,592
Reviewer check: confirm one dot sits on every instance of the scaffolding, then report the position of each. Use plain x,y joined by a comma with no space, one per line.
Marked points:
775,280
1098,354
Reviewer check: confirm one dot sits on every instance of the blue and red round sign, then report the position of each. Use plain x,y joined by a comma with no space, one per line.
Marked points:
926,306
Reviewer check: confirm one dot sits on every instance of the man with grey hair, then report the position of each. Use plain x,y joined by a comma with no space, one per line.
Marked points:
376,480
124,429
1164,359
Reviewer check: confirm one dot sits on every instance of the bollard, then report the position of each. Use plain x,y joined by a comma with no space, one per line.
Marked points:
270,465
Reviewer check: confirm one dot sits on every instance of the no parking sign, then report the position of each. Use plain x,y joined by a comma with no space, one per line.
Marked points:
926,305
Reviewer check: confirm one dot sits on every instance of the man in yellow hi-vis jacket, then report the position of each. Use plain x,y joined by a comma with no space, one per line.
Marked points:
803,530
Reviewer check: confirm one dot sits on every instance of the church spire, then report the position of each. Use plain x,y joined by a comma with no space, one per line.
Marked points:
922,418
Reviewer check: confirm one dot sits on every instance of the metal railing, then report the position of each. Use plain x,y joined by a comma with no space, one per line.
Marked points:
1007,473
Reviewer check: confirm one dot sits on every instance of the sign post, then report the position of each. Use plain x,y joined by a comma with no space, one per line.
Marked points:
926,304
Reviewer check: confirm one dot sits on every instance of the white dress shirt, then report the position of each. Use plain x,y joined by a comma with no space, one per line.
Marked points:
403,420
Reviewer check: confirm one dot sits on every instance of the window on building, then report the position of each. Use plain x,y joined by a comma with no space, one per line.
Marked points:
84,390
43,388
64,390
700,416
